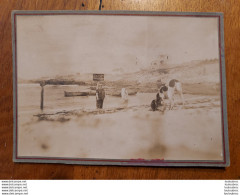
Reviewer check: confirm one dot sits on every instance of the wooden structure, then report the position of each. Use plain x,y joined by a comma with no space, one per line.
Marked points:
42,84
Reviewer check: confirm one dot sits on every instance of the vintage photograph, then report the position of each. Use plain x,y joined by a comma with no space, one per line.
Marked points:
115,86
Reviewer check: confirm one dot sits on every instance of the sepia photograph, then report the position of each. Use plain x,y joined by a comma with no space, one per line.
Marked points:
115,88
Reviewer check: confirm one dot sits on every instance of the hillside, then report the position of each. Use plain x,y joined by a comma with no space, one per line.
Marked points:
196,76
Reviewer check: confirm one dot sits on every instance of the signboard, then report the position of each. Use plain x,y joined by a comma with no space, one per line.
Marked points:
98,77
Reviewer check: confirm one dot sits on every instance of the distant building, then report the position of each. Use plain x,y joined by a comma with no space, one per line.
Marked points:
159,61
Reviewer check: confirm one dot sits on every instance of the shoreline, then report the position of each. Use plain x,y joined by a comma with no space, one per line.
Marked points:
193,103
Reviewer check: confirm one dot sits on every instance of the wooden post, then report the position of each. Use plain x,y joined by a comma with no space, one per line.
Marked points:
42,84
42,97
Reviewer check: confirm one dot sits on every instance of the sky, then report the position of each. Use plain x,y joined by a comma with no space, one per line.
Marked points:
69,44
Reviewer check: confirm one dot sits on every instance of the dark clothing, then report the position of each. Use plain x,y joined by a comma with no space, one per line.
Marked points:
100,103
100,95
153,105
158,100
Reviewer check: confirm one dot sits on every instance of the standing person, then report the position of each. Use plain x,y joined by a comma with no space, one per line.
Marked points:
124,94
100,95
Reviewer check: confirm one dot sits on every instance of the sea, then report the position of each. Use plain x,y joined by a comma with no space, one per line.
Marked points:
29,96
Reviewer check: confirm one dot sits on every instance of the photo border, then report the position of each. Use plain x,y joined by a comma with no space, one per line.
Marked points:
126,162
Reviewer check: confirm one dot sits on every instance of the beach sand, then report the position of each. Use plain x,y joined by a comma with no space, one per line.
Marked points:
192,132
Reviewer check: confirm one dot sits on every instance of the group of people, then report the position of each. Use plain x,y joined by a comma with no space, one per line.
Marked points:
100,95
165,92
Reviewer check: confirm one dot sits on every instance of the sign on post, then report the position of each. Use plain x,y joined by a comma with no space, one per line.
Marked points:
98,77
